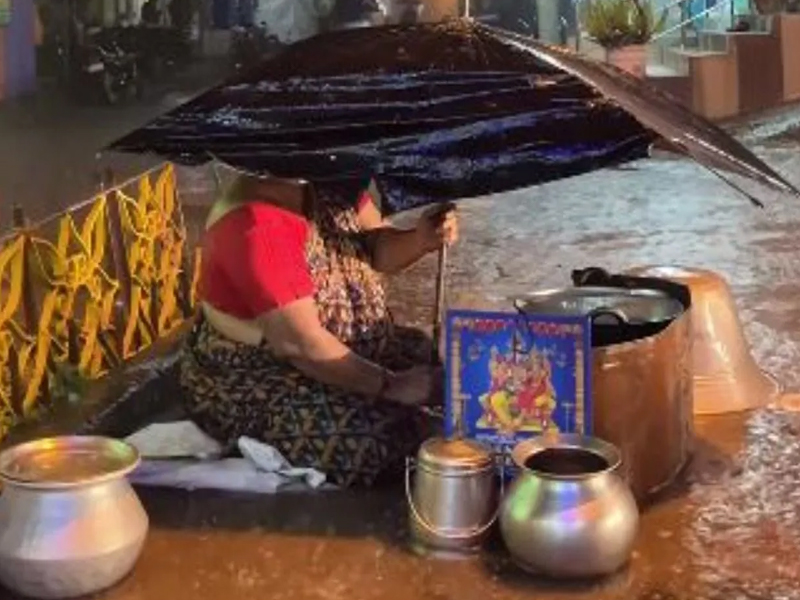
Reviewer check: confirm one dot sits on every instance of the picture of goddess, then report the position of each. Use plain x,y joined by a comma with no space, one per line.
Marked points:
521,396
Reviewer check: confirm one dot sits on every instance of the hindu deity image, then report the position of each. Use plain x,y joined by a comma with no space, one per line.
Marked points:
521,396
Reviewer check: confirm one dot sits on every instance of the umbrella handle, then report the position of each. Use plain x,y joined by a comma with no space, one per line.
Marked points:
439,305
438,310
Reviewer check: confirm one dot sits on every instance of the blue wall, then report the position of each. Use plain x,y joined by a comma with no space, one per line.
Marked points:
19,52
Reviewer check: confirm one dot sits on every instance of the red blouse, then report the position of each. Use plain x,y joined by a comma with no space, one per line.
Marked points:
254,260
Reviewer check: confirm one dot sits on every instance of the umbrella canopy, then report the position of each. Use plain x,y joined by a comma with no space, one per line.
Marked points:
435,112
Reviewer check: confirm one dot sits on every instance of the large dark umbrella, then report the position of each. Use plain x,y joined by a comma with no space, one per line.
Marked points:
435,112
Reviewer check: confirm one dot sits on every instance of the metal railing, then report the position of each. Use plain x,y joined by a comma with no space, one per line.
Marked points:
691,21
85,290
687,25
685,20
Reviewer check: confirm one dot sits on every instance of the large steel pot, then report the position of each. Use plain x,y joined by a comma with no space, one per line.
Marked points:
70,523
641,381
568,513
453,500
607,305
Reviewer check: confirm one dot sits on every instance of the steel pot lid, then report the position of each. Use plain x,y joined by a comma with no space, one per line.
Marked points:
613,305
454,455
68,461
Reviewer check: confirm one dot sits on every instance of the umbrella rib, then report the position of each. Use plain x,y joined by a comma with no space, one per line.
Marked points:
767,173
753,200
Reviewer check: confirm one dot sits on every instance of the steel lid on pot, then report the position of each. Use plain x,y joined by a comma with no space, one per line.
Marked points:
454,455
67,461
605,304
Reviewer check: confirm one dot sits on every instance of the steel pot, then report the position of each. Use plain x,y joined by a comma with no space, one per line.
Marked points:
568,514
641,380
70,523
606,305
453,501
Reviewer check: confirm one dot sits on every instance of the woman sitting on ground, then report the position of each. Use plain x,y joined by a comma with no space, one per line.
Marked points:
295,345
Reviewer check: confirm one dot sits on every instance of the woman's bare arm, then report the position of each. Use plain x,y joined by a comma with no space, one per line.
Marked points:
294,333
393,249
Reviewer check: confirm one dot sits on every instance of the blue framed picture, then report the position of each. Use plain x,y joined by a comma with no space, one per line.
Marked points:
511,376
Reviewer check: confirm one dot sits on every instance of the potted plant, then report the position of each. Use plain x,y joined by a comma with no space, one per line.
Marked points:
623,28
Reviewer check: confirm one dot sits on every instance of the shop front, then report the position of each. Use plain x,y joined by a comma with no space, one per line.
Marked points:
17,47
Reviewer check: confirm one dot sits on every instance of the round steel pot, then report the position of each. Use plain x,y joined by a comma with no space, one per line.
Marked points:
453,500
70,523
568,514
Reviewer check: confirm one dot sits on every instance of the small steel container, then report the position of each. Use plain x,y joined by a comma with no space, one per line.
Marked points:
454,498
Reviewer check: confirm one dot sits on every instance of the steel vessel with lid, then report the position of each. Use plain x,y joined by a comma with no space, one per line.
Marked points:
454,497
70,523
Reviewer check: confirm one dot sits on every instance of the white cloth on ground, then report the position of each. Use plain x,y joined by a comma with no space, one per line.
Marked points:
180,455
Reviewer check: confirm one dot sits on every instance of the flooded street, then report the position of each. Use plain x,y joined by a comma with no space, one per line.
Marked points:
669,212
735,531
49,150
730,531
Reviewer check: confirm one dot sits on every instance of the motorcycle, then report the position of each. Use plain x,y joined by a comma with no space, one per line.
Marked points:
99,68
252,44
158,50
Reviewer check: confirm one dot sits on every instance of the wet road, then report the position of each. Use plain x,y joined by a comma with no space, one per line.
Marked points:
654,212
49,145
732,532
